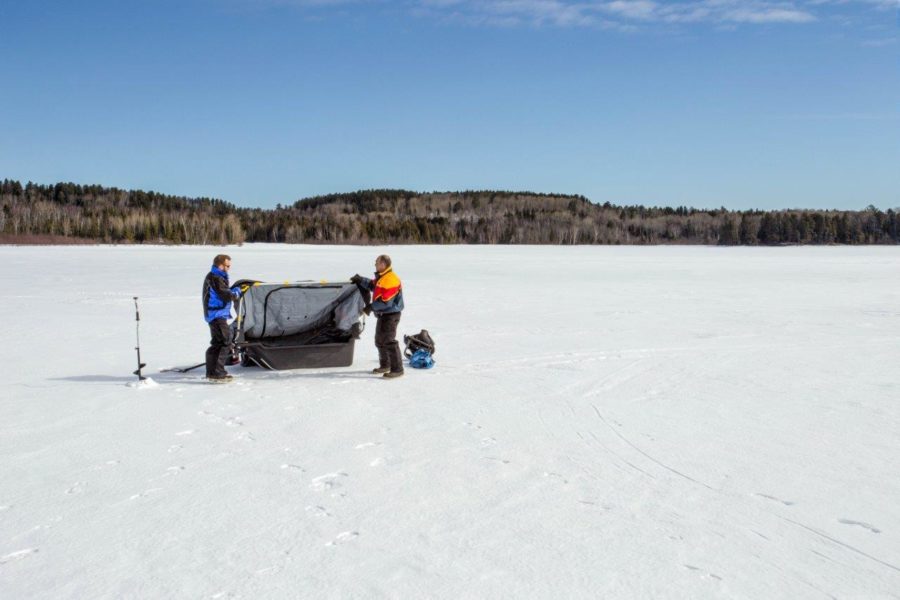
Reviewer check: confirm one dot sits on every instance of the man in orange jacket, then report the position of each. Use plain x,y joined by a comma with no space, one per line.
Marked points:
387,304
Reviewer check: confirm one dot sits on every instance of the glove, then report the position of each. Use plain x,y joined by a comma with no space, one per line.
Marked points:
356,278
235,291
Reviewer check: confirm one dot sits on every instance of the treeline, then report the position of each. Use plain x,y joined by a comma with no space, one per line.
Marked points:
405,217
112,215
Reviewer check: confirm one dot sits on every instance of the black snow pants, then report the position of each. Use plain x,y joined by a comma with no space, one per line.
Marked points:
219,347
386,341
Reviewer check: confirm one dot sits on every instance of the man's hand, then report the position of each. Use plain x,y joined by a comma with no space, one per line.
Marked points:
356,278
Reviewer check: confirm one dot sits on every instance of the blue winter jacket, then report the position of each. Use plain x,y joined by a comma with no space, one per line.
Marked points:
387,292
217,296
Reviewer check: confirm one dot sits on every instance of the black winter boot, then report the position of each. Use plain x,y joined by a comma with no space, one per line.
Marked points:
395,360
384,362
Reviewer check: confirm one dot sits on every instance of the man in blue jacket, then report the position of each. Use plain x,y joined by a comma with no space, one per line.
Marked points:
217,297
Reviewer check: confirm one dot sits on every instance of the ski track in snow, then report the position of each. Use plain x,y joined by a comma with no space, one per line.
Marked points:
621,377
18,555
843,544
651,458
851,522
779,500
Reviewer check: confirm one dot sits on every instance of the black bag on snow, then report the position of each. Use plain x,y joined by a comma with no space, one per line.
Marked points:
419,341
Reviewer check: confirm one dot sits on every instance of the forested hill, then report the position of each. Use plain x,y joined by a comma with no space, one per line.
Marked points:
70,212
67,211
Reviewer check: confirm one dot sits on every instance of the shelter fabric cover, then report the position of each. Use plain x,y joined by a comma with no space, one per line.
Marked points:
282,309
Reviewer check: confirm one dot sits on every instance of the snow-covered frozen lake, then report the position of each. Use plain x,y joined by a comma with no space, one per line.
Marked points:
670,422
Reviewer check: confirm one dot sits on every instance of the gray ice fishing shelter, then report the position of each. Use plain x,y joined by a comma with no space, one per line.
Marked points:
299,325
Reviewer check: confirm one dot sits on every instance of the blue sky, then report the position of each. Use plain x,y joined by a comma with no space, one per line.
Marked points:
743,104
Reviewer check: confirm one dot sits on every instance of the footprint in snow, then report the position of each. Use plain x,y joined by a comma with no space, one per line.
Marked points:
76,488
173,471
268,570
327,482
41,527
556,476
366,445
106,465
859,524
174,448
318,511
145,493
229,421
383,461
186,432
294,468
343,537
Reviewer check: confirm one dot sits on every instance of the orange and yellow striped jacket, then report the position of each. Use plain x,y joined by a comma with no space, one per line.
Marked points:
387,292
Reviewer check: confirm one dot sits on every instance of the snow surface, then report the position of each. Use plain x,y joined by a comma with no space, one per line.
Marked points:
671,422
